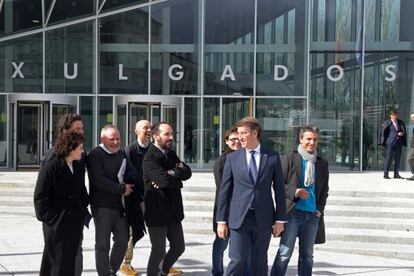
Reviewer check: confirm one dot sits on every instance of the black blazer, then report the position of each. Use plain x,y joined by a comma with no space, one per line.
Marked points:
292,173
59,194
163,206
388,134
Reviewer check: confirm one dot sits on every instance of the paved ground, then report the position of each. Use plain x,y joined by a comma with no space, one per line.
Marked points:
21,240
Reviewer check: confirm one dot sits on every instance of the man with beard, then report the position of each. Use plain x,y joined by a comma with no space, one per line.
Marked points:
107,170
163,176
135,153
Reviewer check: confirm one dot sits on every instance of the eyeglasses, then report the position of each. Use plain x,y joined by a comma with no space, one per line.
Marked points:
234,140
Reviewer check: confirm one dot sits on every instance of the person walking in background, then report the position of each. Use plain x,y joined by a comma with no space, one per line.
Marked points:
245,204
67,123
231,138
61,201
411,153
134,202
306,184
109,185
163,176
394,137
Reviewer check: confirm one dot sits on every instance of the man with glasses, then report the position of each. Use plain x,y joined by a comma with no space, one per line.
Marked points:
245,204
231,138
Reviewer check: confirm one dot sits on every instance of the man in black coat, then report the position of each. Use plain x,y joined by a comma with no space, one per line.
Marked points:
231,138
394,137
135,153
163,176
306,178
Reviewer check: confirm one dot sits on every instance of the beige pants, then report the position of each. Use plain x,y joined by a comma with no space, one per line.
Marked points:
130,250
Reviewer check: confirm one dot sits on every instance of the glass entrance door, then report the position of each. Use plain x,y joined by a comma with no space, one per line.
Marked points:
170,114
29,134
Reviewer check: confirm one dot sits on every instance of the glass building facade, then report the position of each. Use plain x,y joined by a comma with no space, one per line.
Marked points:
201,65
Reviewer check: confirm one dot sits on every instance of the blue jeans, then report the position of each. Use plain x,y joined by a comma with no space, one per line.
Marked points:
305,226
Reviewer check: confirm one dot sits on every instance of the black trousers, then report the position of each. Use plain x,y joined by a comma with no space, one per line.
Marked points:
158,258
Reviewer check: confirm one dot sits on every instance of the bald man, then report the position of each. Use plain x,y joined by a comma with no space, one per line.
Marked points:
135,153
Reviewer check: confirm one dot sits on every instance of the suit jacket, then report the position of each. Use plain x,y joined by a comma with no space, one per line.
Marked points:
60,195
389,135
292,173
163,206
237,191
218,175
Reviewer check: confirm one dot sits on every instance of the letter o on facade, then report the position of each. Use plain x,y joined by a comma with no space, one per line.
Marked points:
329,72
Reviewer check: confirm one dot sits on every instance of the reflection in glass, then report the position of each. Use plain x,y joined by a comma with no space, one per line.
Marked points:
29,131
233,110
280,120
388,84
211,131
229,38
124,53
86,109
112,4
192,132
22,70
20,15
336,109
105,113
175,40
70,59
3,131
65,10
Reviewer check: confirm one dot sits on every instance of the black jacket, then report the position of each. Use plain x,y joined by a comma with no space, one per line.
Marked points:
218,175
292,173
163,206
388,135
59,194
135,156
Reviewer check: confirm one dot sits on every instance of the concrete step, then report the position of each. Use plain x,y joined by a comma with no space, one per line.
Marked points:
369,212
370,236
398,251
367,223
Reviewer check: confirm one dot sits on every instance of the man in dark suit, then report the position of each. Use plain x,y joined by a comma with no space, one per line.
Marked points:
394,137
306,184
231,138
134,202
245,201
163,176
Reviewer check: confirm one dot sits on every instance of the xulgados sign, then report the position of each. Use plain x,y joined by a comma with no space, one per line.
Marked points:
176,73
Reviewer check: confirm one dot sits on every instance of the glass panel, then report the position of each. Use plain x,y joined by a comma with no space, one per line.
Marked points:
336,108
29,122
104,113
211,131
233,111
124,53
58,110
121,122
229,47
64,10
86,109
388,85
22,69
19,15
280,120
3,130
336,25
280,31
170,114
112,4
174,47
70,59
137,112
192,132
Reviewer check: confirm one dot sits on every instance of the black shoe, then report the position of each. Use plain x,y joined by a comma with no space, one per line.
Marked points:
410,178
398,176
386,177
